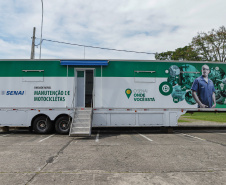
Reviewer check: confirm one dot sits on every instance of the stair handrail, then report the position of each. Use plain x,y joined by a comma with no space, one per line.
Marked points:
91,114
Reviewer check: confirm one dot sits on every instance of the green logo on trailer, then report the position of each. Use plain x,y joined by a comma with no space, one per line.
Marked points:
165,88
128,92
176,100
222,86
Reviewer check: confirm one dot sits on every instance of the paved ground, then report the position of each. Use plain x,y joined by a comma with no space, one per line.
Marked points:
115,156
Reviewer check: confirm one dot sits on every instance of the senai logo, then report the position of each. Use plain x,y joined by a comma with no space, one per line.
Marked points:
12,92
128,92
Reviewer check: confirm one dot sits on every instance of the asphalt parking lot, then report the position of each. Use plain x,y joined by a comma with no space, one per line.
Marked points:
115,156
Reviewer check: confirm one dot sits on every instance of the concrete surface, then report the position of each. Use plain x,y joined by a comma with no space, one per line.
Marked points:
115,156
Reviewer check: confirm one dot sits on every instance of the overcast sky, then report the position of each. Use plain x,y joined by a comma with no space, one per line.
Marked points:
139,25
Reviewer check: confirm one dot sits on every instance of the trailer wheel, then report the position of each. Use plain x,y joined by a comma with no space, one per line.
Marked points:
62,125
42,125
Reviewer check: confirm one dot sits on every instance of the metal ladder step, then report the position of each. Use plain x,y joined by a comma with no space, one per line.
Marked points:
81,120
82,116
79,134
84,124
80,129
81,125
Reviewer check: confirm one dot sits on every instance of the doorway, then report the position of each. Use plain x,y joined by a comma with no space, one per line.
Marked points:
84,87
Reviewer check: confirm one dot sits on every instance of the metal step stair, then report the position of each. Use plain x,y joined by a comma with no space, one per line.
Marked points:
82,122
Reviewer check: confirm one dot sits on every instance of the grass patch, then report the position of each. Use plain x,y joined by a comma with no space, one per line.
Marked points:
183,120
205,116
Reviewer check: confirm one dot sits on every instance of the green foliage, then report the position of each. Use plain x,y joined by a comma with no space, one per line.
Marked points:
206,116
211,45
181,120
164,55
185,53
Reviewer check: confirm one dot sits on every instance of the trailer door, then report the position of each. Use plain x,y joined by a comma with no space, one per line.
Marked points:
84,87
80,89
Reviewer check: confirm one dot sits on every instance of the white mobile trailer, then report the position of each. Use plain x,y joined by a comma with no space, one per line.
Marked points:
43,94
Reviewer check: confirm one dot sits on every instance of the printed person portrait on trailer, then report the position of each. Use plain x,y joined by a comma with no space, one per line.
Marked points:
203,90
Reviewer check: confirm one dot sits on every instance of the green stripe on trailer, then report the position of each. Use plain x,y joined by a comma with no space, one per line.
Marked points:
161,68
49,68
17,68
52,68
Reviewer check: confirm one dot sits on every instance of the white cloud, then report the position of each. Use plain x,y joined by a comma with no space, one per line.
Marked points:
147,25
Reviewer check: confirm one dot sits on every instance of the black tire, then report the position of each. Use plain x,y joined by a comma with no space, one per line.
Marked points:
62,124
30,129
42,125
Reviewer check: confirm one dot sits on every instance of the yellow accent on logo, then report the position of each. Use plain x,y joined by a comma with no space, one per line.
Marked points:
128,91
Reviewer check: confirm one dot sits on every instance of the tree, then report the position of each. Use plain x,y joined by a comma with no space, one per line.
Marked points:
164,55
185,53
209,46
212,45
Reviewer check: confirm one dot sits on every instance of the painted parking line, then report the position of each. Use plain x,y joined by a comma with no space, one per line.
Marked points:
5,135
97,137
215,132
46,138
145,137
193,137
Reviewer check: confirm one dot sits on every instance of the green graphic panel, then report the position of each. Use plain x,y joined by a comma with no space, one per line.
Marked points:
178,94
189,99
181,77
165,88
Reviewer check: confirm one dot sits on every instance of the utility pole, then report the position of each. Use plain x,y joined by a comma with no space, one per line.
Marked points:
33,45
40,54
